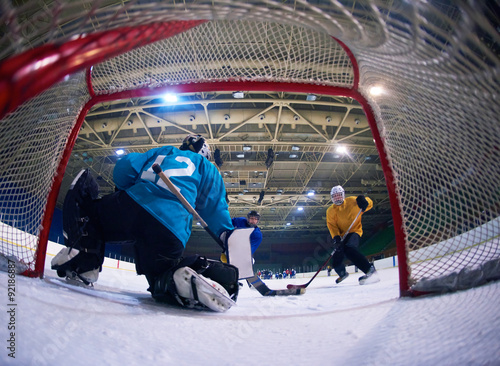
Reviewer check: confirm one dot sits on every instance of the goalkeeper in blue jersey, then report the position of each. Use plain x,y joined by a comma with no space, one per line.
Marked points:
144,212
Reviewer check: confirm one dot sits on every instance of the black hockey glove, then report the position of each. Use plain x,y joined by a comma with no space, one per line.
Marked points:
362,202
337,241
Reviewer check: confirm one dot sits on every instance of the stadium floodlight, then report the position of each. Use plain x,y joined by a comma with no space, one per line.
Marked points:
238,95
376,91
120,152
341,149
170,98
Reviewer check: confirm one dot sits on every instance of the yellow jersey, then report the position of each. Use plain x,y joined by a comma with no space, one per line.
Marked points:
339,218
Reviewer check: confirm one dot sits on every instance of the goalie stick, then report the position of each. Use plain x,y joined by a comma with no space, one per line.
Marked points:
292,287
259,285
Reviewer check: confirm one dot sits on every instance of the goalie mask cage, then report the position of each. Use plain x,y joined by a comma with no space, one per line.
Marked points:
435,123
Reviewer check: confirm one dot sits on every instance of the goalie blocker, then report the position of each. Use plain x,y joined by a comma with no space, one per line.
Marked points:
238,251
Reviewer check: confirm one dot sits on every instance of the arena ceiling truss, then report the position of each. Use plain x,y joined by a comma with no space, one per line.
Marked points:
277,152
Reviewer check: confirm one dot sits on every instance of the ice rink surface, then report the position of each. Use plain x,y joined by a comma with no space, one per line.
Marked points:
345,324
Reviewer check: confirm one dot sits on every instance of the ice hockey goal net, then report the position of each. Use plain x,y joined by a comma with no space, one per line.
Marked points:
435,122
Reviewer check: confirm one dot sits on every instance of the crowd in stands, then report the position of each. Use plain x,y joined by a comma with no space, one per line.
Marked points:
267,274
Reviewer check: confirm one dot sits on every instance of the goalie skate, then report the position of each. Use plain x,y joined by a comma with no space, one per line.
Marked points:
63,264
83,279
79,280
193,286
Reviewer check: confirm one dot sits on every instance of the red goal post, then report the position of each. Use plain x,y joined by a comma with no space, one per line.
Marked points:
435,125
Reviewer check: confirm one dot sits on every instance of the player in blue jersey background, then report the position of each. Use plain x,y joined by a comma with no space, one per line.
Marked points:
252,220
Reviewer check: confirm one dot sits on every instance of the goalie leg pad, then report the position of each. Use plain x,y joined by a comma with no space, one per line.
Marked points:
166,288
194,288
80,231
225,274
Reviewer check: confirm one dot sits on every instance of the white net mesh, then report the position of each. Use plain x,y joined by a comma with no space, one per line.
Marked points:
225,50
441,134
32,140
437,113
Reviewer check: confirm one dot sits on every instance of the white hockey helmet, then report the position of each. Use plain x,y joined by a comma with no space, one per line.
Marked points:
338,195
197,144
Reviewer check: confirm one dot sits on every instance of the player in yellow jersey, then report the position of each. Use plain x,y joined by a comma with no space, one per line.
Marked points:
339,217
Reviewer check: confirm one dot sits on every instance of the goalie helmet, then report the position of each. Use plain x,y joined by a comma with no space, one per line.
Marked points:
197,144
338,195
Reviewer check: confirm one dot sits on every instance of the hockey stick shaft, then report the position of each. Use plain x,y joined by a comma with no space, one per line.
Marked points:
330,257
157,169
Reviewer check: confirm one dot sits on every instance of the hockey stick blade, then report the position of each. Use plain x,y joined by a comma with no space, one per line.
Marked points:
296,287
287,292
266,291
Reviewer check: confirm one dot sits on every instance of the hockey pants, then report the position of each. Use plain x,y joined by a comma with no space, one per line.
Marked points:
349,249
124,220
